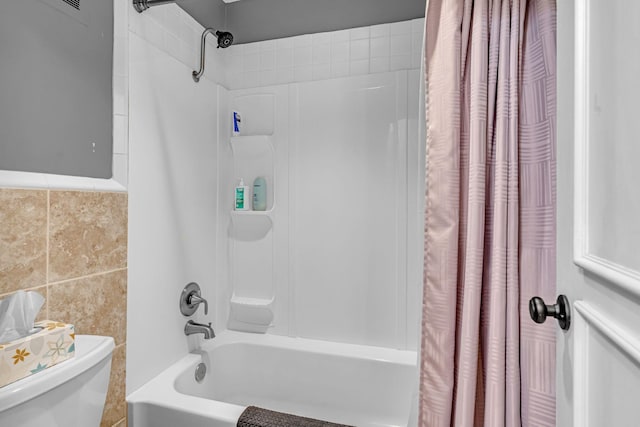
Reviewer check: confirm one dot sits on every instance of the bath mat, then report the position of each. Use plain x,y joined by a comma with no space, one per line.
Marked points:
258,417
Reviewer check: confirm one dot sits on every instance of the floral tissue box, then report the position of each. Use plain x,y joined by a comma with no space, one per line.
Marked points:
52,344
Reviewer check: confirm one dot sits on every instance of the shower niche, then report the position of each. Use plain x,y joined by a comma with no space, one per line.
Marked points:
251,232
253,157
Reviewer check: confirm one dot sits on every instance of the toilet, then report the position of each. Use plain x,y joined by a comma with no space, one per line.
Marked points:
70,394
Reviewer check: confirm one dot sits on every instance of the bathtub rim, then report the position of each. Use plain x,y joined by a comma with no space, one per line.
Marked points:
161,390
330,348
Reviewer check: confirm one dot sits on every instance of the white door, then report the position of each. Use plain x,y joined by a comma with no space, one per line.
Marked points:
598,371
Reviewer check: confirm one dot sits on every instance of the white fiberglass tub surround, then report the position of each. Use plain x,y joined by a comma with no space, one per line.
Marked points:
343,383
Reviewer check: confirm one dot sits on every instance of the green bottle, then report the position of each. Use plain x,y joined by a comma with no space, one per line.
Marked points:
242,192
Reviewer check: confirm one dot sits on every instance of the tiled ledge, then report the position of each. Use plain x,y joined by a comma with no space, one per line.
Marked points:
14,179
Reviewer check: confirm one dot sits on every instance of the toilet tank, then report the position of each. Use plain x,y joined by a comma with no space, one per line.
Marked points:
71,394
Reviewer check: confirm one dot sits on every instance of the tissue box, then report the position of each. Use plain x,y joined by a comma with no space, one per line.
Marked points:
52,344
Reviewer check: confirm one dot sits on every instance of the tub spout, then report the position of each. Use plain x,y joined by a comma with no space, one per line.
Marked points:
198,328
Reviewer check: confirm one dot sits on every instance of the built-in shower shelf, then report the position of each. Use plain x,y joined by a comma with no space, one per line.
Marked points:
254,156
250,225
252,302
250,314
252,233
252,213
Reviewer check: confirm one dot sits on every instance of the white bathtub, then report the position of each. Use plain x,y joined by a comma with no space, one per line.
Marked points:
343,383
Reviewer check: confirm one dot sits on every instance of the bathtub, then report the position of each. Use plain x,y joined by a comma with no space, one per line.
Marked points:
343,383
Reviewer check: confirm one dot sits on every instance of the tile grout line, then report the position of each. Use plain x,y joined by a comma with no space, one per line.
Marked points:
47,250
47,302
88,276
33,288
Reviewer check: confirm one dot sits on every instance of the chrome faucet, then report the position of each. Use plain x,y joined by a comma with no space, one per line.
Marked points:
189,302
198,328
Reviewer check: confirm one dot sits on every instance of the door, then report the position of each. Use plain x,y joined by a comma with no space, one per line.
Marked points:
598,359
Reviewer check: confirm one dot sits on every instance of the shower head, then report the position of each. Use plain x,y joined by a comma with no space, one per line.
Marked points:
225,39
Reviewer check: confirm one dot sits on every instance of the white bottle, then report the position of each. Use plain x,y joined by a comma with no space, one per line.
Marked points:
242,196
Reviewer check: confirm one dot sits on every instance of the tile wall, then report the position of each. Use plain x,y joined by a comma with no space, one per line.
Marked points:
120,92
71,247
176,33
357,51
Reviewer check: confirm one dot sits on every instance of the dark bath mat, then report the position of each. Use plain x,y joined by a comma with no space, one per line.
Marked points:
258,417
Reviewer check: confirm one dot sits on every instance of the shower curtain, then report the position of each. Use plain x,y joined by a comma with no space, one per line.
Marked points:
490,213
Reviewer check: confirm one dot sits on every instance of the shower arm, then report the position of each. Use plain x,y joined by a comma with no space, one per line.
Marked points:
142,5
197,74
225,39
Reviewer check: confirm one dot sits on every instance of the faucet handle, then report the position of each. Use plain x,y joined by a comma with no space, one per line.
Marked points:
195,299
191,298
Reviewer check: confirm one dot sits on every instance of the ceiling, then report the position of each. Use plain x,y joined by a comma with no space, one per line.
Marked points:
256,20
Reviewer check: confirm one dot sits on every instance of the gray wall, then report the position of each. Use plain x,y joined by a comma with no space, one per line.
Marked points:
209,13
255,20
55,87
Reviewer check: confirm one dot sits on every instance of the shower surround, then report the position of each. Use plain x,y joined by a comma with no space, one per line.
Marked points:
341,110
337,255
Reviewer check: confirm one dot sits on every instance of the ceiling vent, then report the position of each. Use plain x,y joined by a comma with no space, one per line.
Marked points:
73,3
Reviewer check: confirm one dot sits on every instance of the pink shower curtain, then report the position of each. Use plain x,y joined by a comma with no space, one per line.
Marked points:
490,213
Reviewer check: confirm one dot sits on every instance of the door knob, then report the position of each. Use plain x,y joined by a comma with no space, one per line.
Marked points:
561,310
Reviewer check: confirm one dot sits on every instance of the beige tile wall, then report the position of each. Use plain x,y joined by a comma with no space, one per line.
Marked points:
71,246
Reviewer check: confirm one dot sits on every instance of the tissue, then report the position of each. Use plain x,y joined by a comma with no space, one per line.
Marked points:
18,314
